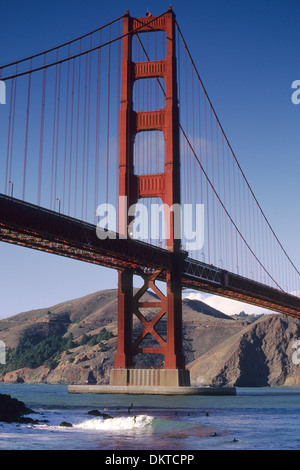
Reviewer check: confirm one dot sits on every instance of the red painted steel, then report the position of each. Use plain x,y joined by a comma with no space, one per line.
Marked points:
35,227
32,226
164,185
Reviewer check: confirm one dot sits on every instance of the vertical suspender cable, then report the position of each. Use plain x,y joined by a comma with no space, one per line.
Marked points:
219,225
26,133
88,132
71,137
12,83
52,196
97,130
40,165
12,131
84,138
118,119
66,131
77,132
57,132
108,118
207,193
213,232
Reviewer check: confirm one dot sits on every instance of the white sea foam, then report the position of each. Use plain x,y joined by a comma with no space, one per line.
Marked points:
115,424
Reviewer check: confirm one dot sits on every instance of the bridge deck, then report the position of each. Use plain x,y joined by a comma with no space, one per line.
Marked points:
29,225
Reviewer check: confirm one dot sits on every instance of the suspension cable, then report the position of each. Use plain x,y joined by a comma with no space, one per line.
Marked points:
79,54
232,152
206,175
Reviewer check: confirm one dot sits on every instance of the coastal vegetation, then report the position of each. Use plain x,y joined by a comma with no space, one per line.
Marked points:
33,351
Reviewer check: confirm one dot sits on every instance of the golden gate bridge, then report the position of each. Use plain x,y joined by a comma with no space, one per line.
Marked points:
120,118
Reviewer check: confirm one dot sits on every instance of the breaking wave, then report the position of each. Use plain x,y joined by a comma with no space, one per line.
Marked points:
115,424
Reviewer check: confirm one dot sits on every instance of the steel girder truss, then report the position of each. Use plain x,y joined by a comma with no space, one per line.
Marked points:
41,229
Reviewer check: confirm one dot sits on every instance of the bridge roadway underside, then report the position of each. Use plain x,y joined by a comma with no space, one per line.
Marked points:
34,227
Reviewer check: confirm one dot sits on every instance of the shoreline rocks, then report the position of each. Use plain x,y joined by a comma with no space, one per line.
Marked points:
13,410
98,413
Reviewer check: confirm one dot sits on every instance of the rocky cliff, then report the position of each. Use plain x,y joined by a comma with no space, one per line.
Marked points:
219,349
260,354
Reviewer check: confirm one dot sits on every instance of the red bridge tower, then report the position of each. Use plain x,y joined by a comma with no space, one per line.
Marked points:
164,185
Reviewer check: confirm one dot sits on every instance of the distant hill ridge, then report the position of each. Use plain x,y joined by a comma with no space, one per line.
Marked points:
219,349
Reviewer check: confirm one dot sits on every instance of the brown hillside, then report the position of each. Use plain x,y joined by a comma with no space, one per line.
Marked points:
219,349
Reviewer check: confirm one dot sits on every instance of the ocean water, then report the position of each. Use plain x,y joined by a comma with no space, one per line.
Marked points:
254,419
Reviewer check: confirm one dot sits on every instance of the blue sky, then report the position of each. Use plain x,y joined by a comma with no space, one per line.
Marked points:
247,55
